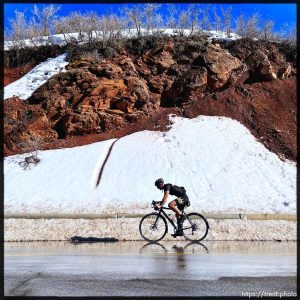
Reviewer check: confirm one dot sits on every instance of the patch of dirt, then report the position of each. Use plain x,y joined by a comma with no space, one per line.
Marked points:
13,74
267,109
158,121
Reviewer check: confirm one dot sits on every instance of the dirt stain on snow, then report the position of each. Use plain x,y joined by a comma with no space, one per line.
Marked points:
104,162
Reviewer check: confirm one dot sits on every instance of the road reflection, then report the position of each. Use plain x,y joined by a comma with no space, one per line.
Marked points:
196,247
191,247
153,247
179,250
180,257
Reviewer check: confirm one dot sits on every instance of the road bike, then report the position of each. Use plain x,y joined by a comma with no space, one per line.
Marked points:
153,227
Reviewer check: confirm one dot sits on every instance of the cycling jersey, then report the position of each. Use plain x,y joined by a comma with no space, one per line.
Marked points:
174,190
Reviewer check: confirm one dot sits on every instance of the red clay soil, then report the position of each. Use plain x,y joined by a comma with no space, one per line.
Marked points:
267,109
158,121
13,74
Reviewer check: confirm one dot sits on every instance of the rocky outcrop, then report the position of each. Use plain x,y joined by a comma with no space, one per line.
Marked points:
213,68
101,93
265,61
261,66
161,58
26,127
221,66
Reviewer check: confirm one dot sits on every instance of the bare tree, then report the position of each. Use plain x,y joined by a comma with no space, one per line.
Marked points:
136,15
90,24
111,27
129,25
173,14
292,34
61,26
226,12
217,19
267,30
18,31
252,27
287,34
205,20
75,24
183,21
193,12
33,31
240,28
103,28
32,146
117,25
45,16
150,12
159,23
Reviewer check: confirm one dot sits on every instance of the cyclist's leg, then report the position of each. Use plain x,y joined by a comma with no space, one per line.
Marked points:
177,205
174,206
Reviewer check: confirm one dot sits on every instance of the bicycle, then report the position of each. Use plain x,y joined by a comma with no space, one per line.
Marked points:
153,227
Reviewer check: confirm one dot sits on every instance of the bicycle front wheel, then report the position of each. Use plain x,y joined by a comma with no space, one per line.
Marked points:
195,227
153,227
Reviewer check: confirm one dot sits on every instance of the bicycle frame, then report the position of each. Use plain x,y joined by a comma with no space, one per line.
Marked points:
161,211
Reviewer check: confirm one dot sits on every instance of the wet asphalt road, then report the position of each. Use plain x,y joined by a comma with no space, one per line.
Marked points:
137,269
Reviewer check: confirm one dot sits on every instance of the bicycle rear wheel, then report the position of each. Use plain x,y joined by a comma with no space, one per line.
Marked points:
195,227
153,227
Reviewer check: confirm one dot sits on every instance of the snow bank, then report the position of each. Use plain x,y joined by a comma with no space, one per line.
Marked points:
222,166
63,181
25,86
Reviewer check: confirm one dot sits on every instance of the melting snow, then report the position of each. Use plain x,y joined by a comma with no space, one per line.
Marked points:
25,86
220,163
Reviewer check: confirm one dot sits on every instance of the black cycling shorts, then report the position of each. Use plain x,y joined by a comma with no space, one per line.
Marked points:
182,202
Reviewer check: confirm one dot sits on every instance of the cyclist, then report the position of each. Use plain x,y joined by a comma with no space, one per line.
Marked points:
176,205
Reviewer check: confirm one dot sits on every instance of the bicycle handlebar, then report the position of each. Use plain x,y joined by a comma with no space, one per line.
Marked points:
154,204
158,202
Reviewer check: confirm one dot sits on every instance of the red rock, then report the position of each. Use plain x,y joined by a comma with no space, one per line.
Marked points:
220,64
127,65
106,69
137,89
80,124
79,64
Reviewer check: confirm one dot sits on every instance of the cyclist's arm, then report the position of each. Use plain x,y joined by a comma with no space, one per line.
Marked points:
164,199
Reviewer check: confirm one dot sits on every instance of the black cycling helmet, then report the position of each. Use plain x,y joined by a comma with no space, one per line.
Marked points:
158,181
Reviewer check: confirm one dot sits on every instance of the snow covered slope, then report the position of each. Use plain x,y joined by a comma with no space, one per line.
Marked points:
25,86
59,39
221,165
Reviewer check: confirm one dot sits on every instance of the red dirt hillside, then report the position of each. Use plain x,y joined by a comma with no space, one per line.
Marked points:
112,94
